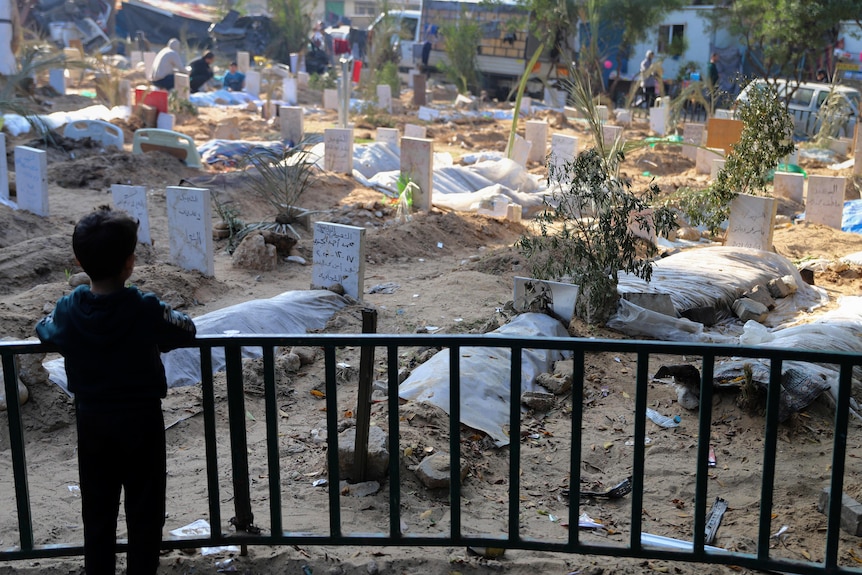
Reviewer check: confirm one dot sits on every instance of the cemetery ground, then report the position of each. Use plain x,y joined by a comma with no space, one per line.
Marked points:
454,274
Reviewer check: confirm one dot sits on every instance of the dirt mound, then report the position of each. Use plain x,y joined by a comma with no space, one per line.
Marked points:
35,261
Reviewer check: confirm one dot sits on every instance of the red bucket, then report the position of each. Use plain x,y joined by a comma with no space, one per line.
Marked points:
357,70
158,99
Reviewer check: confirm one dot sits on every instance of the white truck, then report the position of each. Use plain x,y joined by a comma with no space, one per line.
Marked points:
503,52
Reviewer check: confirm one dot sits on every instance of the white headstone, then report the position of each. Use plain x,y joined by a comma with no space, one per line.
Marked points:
289,90
4,170
427,114
721,114
715,168
692,135
149,58
338,150
564,148
190,228
57,80
610,134
526,105
135,57
417,162
242,61
789,186
339,257
624,117
125,93
31,179
751,222
291,121
496,206
658,120
133,200
252,83
562,296
414,131
705,156
604,113
294,62
182,86
824,202
520,151
330,99
165,121
388,135
536,132
302,79
384,97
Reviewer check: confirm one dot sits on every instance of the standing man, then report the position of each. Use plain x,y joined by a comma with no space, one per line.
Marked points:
648,79
200,71
712,78
166,63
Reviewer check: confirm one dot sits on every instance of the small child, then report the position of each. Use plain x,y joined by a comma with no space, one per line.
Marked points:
111,336
234,80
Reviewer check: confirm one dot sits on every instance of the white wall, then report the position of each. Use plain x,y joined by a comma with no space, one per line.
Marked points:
700,42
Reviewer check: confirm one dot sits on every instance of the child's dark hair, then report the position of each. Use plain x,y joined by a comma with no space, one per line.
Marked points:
103,240
234,64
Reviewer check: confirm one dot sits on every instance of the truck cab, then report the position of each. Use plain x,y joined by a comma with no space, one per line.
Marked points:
404,35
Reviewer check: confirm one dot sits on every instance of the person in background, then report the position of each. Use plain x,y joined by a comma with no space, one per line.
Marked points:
822,76
648,79
166,63
234,80
712,71
10,37
111,336
200,71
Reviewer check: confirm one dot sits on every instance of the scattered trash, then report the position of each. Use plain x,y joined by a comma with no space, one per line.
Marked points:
713,519
620,490
440,245
631,442
780,532
388,287
487,552
74,490
320,482
659,419
587,522
306,570
711,461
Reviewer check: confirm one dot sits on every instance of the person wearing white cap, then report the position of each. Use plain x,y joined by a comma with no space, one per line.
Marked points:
648,79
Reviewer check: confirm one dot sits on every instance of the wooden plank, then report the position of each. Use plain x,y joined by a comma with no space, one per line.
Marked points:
723,134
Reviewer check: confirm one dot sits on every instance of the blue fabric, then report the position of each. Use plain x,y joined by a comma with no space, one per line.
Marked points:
231,152
852,219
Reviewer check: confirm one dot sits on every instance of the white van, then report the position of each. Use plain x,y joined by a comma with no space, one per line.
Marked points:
806,101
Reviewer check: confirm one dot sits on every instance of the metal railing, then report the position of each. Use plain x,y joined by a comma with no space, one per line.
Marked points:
638,544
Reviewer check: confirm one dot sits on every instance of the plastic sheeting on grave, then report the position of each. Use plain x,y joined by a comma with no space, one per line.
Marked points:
836,330
293,312
230,152
851,219
222,97
485,376
717,276
16,124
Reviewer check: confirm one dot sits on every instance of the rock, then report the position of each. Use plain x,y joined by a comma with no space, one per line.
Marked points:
283,243
23,392
433,471
79,279
377,458
307,355
363,489
761,293
538,400
807,276
782,287
687,398
555,383
746,309
688,234
290,362
253,253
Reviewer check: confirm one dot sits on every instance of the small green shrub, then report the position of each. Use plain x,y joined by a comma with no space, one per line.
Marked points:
322,81
460,40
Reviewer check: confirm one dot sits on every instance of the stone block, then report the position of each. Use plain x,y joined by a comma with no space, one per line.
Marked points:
377,459
851,512
253,253
782,287
657,302
746,309
434,471
761,293
538,400
555,383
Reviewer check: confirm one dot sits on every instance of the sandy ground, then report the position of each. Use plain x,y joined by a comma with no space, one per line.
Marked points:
460,288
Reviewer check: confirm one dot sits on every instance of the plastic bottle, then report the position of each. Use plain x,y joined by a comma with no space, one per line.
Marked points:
660,419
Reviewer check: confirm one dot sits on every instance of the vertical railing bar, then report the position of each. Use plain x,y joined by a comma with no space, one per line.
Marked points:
394,445
272,451
332,442
639,450
243,519
19,455
703,443
455,441
208,399
770,441
839,449
575,461
515,443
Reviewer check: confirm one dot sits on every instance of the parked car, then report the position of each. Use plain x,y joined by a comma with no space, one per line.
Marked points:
805,102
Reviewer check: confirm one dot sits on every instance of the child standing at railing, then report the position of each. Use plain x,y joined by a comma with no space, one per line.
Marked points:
111,336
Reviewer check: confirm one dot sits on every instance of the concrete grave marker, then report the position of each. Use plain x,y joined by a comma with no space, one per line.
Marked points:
338,150
562,296
31,179
294,62
610,134
414,131
149,59
242,61
135,57
291,123
125,93
624,117
330,99
520,151
252,83
133,200
165,121
788,185
692,135
658,120
751,222
4,171
417,161
703,165
289,91
388,135
427,114
384,97
715,167
419,98
604,113
494,207
723,134
526,105
824,202
564,148
302,79
339,257
190,228
182,86
57,80
536,132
